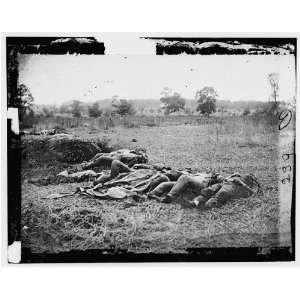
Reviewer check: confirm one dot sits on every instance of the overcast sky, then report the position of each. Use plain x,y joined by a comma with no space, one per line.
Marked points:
54,79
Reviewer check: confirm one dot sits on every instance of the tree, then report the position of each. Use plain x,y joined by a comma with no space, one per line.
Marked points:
24,101
172,101
123,107
24,96
166,92
64,109
48,110
76,109
273,79
94,110
206,100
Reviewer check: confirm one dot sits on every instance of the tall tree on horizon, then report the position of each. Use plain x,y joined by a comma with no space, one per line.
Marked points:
172,101
273,79
206,99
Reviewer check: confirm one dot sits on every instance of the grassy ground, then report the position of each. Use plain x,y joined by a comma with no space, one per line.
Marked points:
80,222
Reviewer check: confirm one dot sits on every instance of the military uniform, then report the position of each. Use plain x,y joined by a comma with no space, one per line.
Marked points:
234,186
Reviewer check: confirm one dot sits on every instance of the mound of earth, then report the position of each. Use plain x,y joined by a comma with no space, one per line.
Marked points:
63,148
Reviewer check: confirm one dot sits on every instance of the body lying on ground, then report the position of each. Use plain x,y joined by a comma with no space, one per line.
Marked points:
127,178
211,193
128,157
168,185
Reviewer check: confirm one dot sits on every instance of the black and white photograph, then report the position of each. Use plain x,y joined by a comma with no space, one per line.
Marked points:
150,148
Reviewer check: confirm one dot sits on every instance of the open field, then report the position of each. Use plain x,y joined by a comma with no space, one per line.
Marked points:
80,222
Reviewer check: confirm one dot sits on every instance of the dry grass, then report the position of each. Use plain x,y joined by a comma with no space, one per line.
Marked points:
80,222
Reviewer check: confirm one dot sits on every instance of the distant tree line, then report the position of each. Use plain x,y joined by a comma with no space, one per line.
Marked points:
77,109
205,102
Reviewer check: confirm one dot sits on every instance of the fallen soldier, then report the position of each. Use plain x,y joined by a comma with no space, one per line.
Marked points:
234,187
127,167
140,178
213,192
213,189
156,181
79,176
186,182
128,157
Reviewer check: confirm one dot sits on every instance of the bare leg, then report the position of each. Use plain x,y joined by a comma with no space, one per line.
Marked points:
157,181
118,167
97,162
162,189
183,183
150,184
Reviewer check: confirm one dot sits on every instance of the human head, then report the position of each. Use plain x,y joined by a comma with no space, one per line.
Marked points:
251,180
216,178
